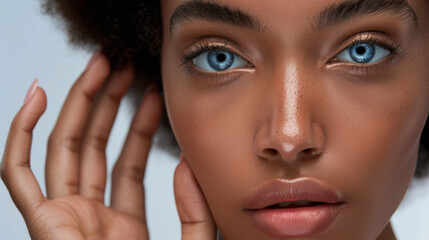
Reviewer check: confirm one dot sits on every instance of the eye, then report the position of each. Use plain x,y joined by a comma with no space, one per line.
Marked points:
215,61
363,53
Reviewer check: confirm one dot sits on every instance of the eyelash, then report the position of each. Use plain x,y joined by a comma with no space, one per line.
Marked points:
202,47
393,47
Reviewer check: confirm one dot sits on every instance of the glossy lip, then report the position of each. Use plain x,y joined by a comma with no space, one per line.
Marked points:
281,190
293,222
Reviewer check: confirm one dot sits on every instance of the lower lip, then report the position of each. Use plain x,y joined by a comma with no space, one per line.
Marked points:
295,222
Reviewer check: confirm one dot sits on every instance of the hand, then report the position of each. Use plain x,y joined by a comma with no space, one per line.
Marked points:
76,166
195,217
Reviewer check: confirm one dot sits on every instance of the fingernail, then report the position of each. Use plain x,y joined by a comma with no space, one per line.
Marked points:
94,57
31,91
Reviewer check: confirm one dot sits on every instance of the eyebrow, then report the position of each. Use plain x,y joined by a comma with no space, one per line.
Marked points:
338,13
210,11
332,15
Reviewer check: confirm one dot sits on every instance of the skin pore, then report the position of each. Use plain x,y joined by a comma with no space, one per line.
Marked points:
294,106
275,106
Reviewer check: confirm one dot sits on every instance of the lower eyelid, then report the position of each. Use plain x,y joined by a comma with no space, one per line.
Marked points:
364,69
346,52
223,77
200,61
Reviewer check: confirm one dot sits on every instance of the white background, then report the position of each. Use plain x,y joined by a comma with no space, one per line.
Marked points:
31,45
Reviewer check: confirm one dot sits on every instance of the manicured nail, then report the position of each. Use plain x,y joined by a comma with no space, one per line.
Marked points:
94,58
31,91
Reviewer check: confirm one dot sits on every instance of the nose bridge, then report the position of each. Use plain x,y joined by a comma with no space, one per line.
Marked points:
291,131
292,114
288,116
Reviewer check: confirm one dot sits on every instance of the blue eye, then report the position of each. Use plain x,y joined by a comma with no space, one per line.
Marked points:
215,61
363,53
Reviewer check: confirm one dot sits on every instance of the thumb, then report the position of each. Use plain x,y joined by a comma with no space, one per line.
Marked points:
195,216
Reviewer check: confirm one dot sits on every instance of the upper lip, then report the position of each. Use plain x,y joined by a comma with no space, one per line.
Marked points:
284,190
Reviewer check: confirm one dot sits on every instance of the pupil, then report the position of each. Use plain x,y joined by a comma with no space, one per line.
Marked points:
362,53
221,57
360,50
220,60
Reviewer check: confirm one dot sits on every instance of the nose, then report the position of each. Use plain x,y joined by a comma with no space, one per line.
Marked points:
292,130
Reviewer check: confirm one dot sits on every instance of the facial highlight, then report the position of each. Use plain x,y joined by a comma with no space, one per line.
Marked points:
290,109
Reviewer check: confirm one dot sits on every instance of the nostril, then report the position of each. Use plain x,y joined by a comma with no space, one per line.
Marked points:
270,152
310,152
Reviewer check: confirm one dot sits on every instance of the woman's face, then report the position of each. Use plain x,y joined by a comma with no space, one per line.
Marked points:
280,101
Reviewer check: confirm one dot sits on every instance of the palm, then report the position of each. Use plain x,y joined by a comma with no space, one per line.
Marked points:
76,217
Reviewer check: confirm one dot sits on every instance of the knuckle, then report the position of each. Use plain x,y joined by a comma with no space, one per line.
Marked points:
96,190
88,94
51,139
114,96
71,143
15,123
4,171
129,171
143,133
78,89
3,174
97,142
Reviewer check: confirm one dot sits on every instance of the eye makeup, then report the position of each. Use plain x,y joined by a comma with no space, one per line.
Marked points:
212,45
380,39
373,38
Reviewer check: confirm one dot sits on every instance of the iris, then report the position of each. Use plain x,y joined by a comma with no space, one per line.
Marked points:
362,52
220,60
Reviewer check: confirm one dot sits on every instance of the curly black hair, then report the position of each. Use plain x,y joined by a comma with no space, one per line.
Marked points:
131,31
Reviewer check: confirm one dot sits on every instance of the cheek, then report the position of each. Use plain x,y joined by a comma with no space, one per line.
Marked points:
372,138
213,133
205,132
377,149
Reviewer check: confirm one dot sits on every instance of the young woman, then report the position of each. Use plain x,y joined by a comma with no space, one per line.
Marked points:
296,119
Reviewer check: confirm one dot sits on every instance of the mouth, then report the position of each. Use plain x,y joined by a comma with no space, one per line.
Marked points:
301,207
295,204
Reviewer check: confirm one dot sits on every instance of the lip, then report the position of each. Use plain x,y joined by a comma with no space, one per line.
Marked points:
293,222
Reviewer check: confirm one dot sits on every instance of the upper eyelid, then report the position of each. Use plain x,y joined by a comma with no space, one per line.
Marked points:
373,37
188,57
372,41
365,68
217,44
380,38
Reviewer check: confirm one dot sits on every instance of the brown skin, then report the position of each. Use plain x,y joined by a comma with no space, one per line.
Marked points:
75,166
257,124
363,130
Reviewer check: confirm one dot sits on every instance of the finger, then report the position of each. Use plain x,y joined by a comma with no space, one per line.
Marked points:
15,167
128,173
195,217
93,158
62,166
